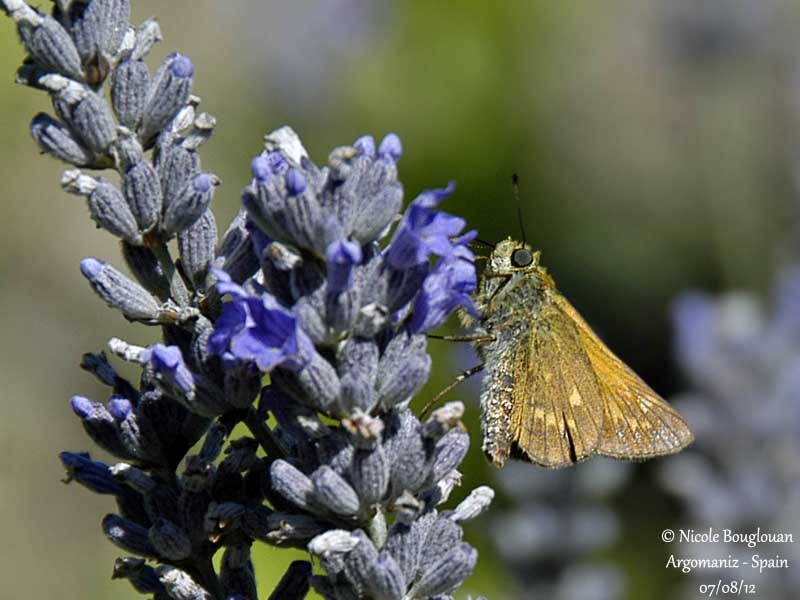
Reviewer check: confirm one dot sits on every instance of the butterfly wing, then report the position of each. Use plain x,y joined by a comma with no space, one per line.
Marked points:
637,422
557,405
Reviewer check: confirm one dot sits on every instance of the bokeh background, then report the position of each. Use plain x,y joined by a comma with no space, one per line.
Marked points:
658,145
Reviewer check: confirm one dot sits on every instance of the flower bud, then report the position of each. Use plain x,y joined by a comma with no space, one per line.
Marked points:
448,572
169,92
180,585
448,453
197,246
342,256
128,535
91,120
169,540
365,145
359,561
142,190
119,292
291,483
130,87
370,474
99,26
190,204
57,140
333,493
142,576
100,424
51,46
473,505
144,265
94,475
386,581
390,148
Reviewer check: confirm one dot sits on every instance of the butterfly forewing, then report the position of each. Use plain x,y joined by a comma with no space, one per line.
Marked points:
557,415
637,422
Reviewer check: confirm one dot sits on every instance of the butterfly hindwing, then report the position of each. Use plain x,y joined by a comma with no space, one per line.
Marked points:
637,422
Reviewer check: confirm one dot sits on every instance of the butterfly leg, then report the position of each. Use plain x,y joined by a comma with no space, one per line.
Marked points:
459,378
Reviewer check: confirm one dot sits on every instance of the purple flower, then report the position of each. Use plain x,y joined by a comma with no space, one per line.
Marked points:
390,147
225,285
168,362
693,317
424,230
256,328
295,182
342,257
182,66
787,300
260,168
365,145
83,407
267,164
120,408
446,288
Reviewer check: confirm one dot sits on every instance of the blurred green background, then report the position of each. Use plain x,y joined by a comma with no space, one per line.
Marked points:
656,143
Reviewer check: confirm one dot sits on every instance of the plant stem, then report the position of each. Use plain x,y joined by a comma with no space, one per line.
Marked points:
262,434
208,578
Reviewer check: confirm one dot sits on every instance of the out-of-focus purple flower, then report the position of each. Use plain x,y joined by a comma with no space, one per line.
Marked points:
557,522
786,296
256,328
342,257
742,363
692,313
446,288
424,230
168,362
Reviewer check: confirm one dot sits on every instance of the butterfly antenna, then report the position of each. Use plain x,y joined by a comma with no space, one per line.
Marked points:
515,186
480,242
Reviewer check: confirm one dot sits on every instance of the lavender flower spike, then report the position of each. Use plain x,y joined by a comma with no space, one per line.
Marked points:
309,284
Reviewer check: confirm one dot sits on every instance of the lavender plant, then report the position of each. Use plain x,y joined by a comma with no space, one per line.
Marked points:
556,522
743,365
319,282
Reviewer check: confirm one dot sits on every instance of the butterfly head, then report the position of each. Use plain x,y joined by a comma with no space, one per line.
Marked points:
512,256
514,259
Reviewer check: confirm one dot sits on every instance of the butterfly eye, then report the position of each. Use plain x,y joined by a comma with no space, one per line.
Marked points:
521,257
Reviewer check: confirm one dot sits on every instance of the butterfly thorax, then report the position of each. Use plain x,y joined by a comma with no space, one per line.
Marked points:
511,292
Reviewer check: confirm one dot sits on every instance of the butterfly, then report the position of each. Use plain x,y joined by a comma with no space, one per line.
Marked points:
554,394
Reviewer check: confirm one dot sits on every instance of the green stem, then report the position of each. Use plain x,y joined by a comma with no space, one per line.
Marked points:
177,288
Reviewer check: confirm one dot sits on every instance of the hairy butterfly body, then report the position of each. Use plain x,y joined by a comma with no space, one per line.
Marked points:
554,394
